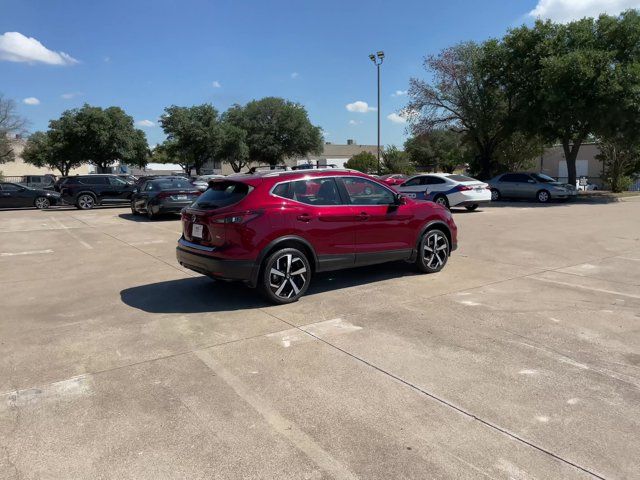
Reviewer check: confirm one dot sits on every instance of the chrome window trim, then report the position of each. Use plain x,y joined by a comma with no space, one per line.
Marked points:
393,192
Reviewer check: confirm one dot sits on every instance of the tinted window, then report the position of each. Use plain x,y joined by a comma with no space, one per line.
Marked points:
414,182
315,191
171,184
70,181
514,177
461,178
283,190
365,192
541,177
94,180
10,187
221,194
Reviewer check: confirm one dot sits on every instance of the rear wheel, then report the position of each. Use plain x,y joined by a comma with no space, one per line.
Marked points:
442,200
41,203
543,196
433,252
495,194
133,209
285,276
471,208
150,214
86,201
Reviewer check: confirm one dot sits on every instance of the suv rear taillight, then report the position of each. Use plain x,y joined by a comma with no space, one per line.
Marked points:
237,218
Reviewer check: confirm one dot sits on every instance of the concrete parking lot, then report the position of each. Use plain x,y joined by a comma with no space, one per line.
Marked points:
520,360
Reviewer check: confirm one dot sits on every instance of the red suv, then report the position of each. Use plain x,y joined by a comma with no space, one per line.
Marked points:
274,229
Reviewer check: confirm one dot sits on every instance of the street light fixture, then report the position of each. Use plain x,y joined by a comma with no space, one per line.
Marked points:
377,59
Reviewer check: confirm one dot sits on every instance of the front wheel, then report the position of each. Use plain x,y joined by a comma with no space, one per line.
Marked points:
285,276
471,208
434,251
42,203
133,208
495,195
543,196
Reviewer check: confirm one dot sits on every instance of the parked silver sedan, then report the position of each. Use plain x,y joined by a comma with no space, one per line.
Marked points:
531,186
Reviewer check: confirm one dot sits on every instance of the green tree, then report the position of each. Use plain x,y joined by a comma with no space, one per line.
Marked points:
233,148
438,150
573,80
364,162
170,152
11,125
464,95
519,151
397,161
276,129
621,160
194,132
103,136
48,149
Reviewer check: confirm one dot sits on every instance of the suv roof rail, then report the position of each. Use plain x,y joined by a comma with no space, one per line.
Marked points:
294,172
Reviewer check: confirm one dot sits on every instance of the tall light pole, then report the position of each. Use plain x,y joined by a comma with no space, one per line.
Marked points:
377,59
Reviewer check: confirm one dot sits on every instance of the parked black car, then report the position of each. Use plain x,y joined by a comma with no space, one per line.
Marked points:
13,195
87,191
163,195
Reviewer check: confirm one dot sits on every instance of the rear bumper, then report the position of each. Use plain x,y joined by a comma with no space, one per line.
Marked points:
471,202
205,263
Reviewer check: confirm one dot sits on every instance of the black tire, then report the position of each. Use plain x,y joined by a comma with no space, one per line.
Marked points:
495,195
471,208
291,282
442,200
543,196
133,209
42,203
86,201
433,252
150,214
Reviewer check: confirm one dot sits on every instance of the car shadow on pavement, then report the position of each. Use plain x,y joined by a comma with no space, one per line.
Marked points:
201,294
143,218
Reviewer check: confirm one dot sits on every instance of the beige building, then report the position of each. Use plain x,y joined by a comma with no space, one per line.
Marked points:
553,163
18,168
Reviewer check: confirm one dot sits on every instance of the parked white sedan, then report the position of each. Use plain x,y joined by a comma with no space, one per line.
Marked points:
447,189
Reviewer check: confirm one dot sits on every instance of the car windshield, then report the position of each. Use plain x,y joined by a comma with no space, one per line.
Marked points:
223,193
541,177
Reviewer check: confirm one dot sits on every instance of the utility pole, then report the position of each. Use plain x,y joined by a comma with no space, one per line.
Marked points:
377,59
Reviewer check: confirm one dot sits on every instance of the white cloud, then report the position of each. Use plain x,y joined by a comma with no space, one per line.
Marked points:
360,107
216,84
295,75
145,123
567,10
395,118
399,93
354,122
70,95
31,101
15,47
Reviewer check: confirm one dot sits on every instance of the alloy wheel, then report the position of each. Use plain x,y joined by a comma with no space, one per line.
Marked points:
435,250
85,202
543,196
42,203
288,276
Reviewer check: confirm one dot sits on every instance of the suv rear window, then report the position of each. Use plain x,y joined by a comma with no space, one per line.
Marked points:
222,194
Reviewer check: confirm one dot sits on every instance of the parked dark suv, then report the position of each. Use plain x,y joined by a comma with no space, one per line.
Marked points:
274,229
87,191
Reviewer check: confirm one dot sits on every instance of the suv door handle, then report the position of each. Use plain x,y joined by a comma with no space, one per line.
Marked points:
304,217
363,217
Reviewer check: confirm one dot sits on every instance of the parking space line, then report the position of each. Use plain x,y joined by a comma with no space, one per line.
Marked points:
32,252
71,234
583,287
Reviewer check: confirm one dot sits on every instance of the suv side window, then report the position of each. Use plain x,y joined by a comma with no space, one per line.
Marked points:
315,191
362,191
91,180
283,190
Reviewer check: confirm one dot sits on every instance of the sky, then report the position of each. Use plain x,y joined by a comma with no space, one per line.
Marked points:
146,55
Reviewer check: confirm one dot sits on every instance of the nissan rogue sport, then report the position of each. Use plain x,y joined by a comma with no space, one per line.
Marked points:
274,229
